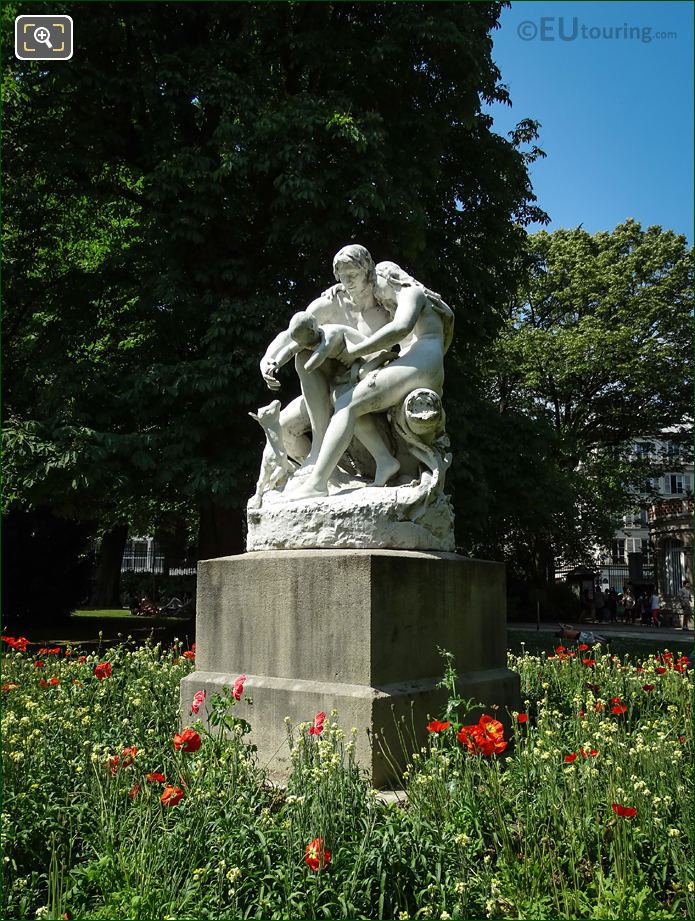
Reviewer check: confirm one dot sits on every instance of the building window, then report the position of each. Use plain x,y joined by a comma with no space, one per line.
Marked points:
644,448
618,550
675,483
644,517
645,550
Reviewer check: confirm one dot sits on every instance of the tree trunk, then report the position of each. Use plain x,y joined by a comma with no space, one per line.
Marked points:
221,532
107,583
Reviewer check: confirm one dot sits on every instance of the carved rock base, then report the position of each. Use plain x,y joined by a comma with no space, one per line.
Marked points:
390,517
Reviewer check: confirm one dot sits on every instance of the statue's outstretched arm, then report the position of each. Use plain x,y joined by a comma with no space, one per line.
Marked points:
283,347
411,300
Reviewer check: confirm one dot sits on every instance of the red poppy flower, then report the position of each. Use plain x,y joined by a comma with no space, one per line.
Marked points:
316,727
102,670
39,664
134,790
114,764
570,758
187,741
589,662
583,647
593,752
648,687
438,726
43,683
626,812
172,795
155,777
598,706
615,700
128,755
316,855
82,659
618,709
522,717
660,670
19,643
54,681
484,738
681,739
190,655
198,701
639,669
559,650
238,688
10,686
582,714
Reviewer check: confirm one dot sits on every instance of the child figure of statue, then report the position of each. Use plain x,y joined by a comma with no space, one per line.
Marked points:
328,341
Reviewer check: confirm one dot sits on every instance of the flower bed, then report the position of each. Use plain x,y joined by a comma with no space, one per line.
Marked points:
113,810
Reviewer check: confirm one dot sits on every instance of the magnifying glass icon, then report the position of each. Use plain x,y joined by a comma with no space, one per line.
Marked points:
43,36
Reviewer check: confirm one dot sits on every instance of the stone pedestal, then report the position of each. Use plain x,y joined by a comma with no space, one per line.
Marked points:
353,630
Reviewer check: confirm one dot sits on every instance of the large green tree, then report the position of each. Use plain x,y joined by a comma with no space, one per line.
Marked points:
595,352
177,190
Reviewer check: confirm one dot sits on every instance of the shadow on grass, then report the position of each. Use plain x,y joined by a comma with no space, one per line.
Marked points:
83,628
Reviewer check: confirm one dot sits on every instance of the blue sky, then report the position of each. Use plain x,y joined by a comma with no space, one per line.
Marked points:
616,113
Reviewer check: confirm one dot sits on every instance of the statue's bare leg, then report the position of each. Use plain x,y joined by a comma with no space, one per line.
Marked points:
387,466
317,403
393,384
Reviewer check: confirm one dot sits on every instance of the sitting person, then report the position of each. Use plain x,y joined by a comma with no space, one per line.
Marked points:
568,632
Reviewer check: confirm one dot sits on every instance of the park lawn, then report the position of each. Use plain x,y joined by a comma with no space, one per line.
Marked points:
537,642
583,811
108,627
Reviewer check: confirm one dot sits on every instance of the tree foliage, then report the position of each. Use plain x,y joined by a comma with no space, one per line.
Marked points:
178,189
595,352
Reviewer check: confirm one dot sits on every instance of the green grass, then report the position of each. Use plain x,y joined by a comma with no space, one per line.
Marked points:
108,627
535,642
125,615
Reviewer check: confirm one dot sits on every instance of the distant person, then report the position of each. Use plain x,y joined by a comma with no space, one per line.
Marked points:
629,605
685,595
621,608
586,606
611,605
654,605
644,608
599,605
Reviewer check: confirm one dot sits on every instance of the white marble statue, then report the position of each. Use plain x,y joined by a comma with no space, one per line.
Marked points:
369,355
